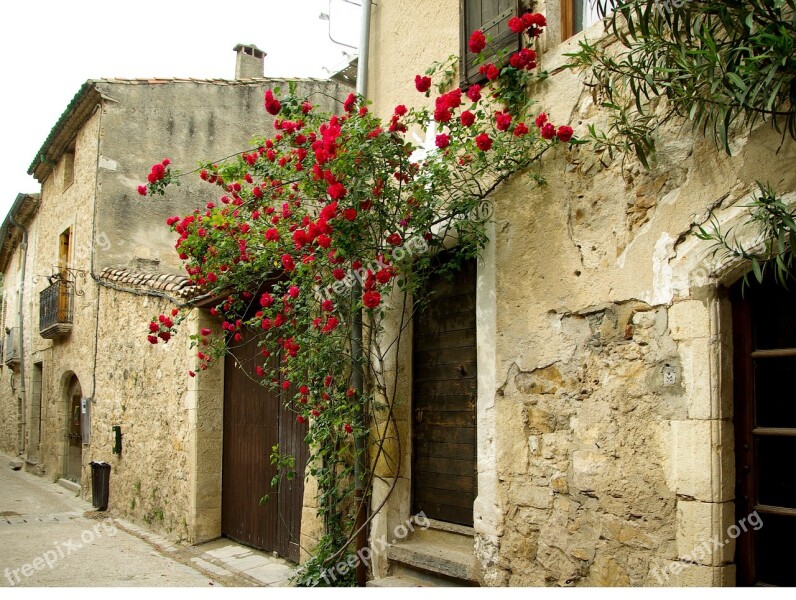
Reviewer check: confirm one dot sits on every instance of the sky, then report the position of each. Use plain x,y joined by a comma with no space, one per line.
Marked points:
51,47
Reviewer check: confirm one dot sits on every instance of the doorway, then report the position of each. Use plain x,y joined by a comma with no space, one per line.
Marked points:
74,448
253,512
444,397
764,337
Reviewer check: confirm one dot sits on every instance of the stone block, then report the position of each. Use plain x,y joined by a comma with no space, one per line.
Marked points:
531,495
697,357
697,525
703,465
681,574
589,469
689,320
606,571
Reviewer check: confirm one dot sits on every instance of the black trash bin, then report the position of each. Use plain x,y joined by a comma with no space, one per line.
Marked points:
100,484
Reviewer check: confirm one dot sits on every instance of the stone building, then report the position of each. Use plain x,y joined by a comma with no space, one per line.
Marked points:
615,361
87,263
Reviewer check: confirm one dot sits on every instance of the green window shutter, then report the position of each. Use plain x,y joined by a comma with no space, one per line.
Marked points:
490,16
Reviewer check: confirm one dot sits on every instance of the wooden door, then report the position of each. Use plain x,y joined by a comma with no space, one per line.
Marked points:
444,394
255,420
764,321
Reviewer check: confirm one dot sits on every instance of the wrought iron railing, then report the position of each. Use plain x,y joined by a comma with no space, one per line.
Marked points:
55,307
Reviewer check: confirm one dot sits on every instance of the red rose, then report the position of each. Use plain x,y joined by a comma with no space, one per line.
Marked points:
564,133
336,191
272,235
293,291
349,103
490,71
520,129
518,61
323,240
371,299
142,190
327,305
348,428
338,274
152,339
548,131
477,41
394,239
474,93
287,263
443,141
349,214
306,107
534,19
468,118
516,25
541,120
442,115
483,142
503,120
422,83
401,110
272,105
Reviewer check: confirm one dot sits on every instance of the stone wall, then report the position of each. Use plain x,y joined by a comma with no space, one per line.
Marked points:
143,388
188,122
591,470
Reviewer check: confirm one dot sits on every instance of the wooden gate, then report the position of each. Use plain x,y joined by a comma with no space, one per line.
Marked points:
255,420
444,394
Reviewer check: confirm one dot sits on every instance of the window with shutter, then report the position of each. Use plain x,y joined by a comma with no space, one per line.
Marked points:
490,16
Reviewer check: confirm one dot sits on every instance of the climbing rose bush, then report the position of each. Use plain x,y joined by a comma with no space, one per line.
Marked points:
330,201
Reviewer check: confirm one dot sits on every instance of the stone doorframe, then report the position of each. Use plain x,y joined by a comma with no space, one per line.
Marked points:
205,407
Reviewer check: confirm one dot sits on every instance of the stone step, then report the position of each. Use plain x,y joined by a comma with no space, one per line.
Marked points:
396,581
435,557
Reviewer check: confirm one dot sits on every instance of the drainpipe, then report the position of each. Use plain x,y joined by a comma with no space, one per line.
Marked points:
20,321
360,465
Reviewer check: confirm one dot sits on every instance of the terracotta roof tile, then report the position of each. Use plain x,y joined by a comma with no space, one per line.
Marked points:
180,285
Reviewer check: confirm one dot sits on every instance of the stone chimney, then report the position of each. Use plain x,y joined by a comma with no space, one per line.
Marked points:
249,61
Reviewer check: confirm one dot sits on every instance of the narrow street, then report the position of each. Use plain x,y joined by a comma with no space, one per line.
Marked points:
50,537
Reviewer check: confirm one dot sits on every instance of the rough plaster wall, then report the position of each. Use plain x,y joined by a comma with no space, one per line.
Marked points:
604,474
188,123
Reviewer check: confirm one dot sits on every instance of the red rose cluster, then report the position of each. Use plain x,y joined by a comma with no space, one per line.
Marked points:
533,23
548,131
156,175
162,327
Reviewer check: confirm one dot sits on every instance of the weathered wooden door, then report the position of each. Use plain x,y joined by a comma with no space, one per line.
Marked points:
255,420
765,433
444,394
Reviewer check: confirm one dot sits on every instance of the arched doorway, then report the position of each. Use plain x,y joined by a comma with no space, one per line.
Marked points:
74,445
